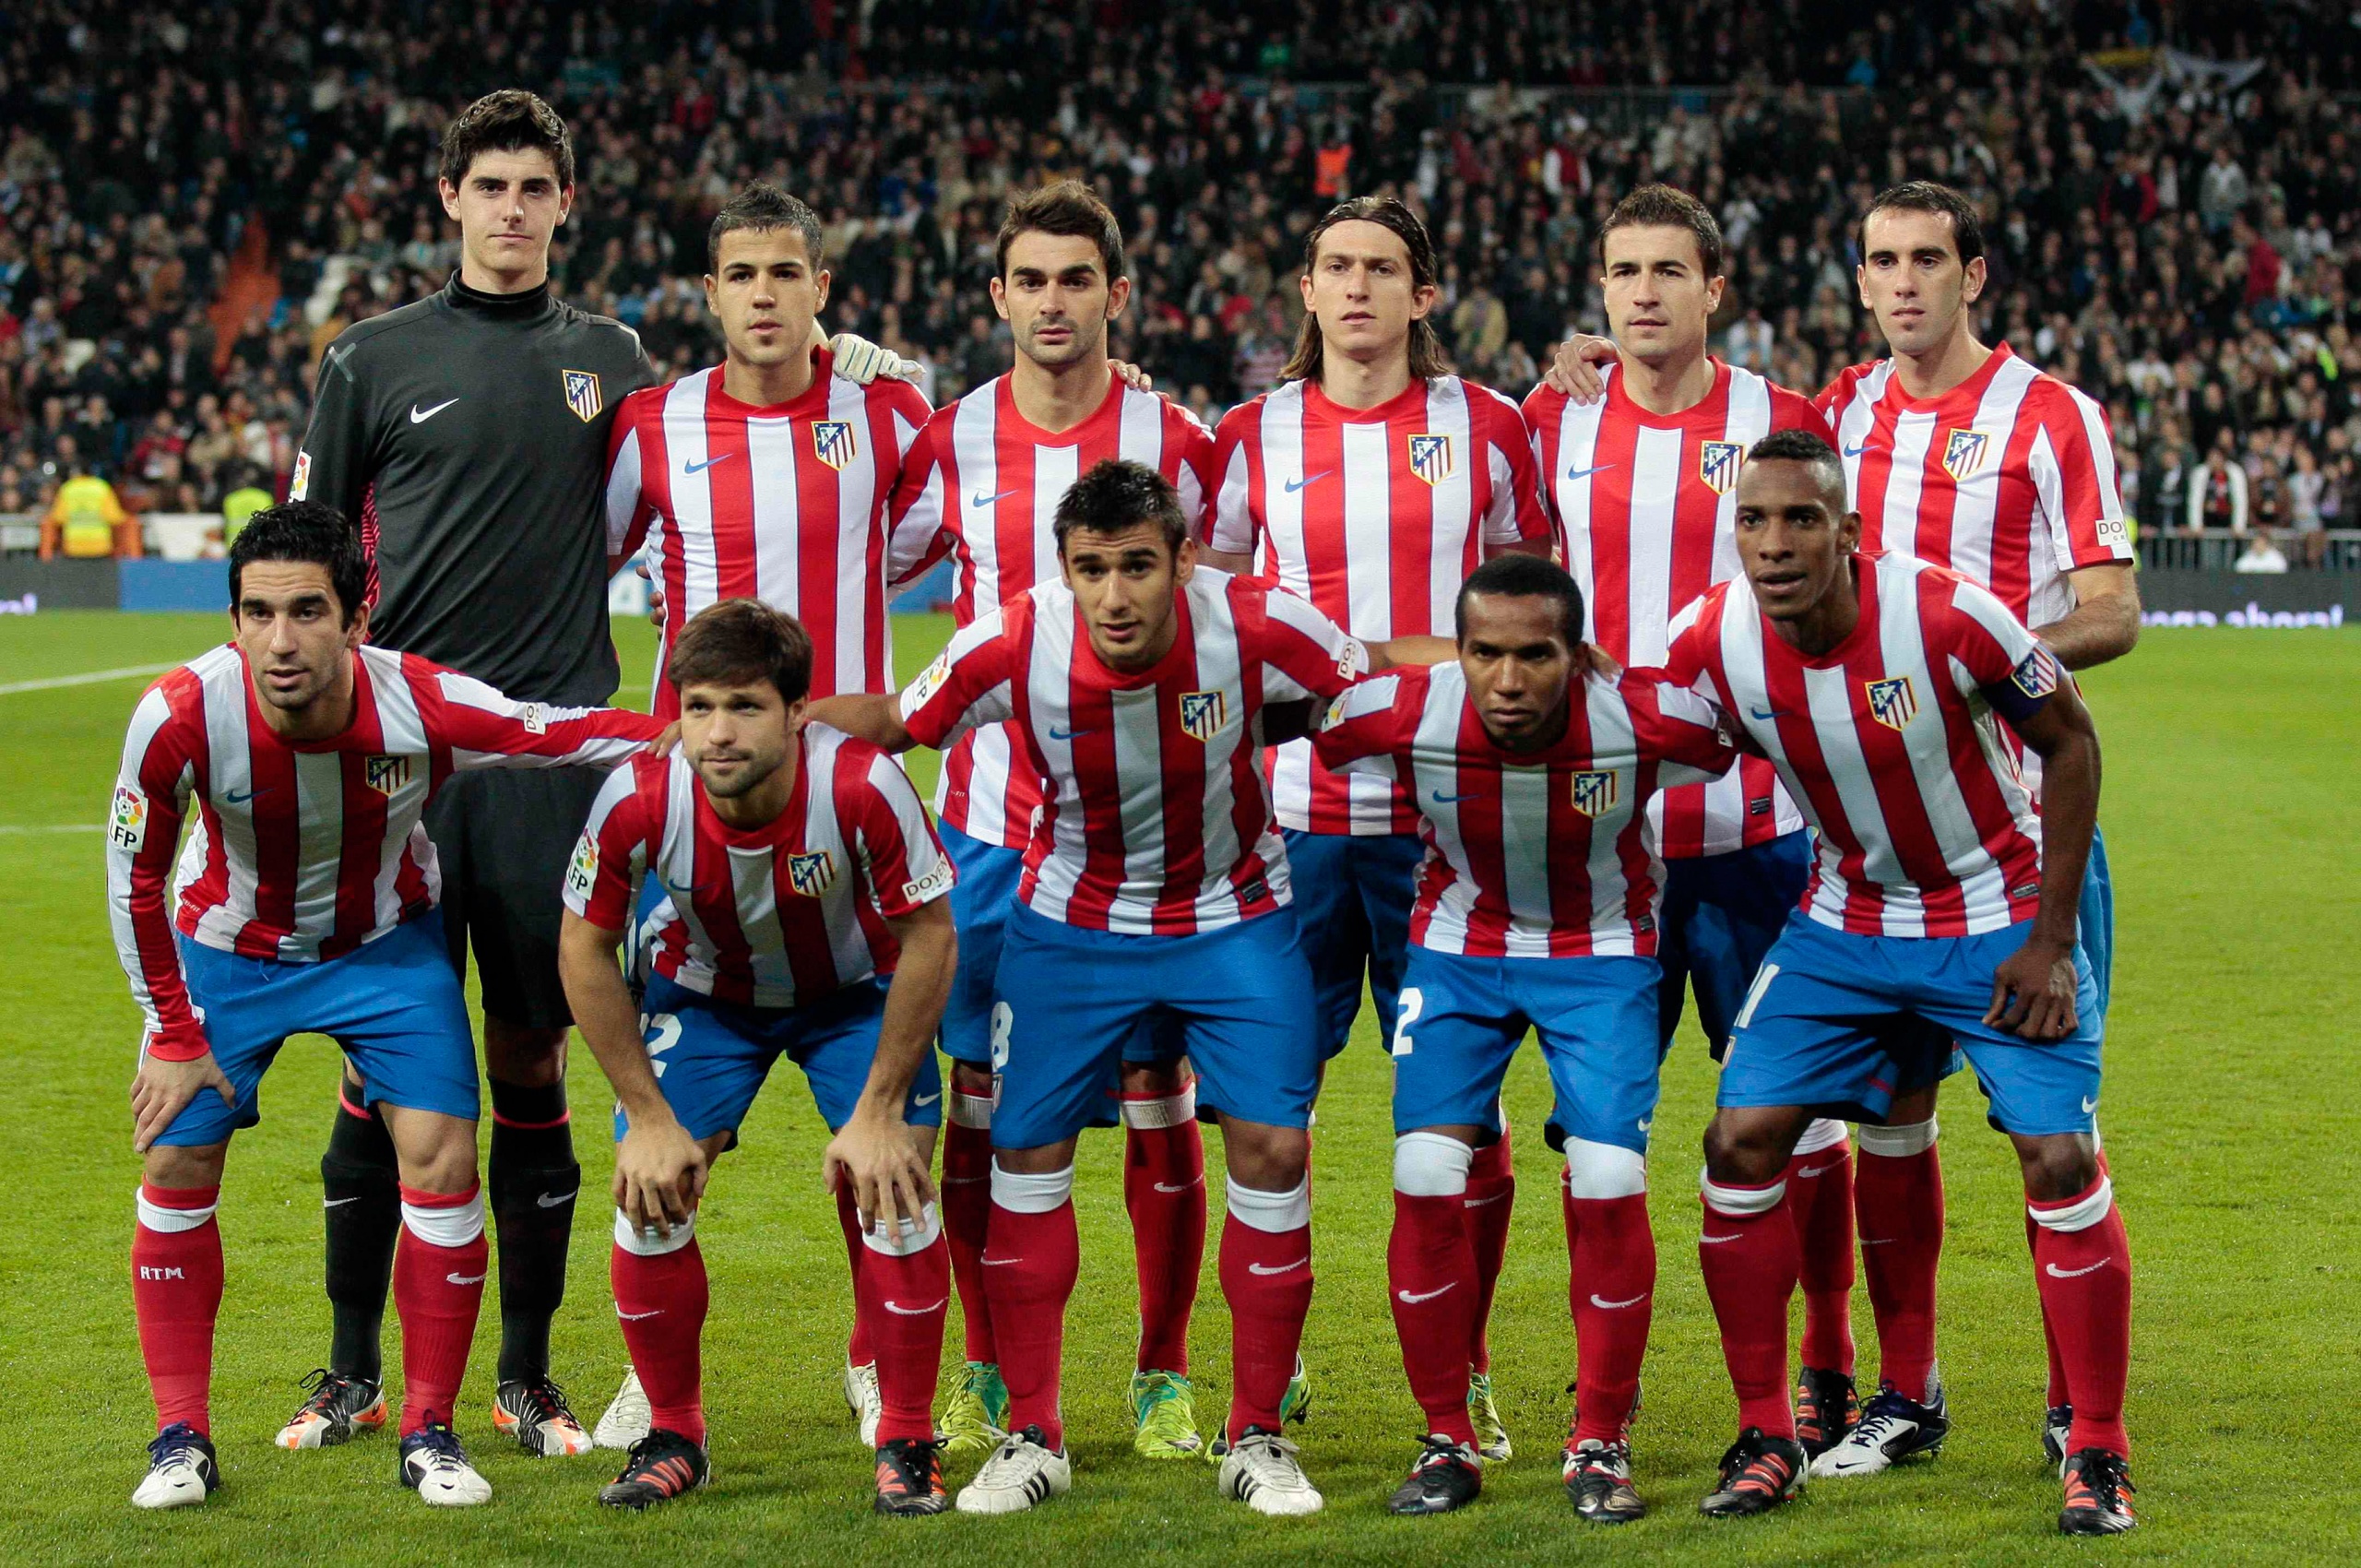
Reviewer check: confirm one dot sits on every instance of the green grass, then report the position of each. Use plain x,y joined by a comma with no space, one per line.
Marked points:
2231,1125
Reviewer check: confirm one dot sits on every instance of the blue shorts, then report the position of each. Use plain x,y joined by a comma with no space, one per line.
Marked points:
1721,914
394,1004
710,1057
1461,1019
1842,1023
1238,1000
1352,901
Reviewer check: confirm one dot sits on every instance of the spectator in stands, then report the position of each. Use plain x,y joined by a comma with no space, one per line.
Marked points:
2217,496
2260,555
86,520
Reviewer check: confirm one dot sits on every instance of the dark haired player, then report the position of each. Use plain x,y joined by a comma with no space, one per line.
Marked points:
1941,907
981,484
1532,773
808,921
1141,688
307,895
1372,481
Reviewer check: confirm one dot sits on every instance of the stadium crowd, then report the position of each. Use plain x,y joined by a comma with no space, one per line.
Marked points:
194,204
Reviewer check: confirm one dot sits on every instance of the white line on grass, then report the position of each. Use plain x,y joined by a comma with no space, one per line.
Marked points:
90,678
51,828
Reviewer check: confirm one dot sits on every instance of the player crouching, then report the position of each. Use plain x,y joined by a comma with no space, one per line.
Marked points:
1536,909
810,922
307,903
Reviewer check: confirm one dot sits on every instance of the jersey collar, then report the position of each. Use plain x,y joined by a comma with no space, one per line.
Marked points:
526,306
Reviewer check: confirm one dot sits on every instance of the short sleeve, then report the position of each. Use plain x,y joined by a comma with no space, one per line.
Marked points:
2072,464
1690,738
970,683
1234,530
1304,654
1370,722
906,867
610,853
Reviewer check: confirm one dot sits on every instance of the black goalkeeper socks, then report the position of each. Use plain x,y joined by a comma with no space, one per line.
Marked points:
534,1187
361,1189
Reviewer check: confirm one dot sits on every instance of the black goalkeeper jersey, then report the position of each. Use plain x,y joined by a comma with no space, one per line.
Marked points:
467,434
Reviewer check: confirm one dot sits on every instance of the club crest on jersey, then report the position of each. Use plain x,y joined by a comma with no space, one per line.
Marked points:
1203,714
832,443
2037,675
384,774
1893,702
1430,457
811,873
1595,791
1717,464
1965,451
582,394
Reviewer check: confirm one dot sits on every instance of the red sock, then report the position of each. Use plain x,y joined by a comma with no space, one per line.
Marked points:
859,1351
904,1300
439,1267
2085,1280
1612,1254
176,1291
1028,1278
1491,1195
1747,1253
1430,1275
1266,1279
1164,1189
660,1300
1900,1202
966,1211
1819,1191
2049,1336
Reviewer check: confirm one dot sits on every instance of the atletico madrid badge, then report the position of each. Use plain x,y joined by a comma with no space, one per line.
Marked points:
1893,702
832,443
582,394
1430,457
1202,714
1595,791
1717,464
384,774
813,873
1965,451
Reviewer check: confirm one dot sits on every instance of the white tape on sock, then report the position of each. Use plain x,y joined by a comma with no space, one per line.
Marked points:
1020,1193
1604,1171
1902,1141
441,1226
1430,1165
651,1242
1276,1213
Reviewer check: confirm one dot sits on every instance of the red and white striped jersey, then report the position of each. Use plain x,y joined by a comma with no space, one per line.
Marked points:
1376,516
1531,855
1156,820
1647,504
2008,478
786,505
982,486
777,916
304,849
1891,744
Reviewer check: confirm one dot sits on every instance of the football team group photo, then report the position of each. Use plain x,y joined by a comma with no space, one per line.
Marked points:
1228,777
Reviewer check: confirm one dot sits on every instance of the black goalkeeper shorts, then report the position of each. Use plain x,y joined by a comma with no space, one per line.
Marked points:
503,837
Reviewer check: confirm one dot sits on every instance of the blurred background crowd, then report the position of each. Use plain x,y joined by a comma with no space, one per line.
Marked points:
194,201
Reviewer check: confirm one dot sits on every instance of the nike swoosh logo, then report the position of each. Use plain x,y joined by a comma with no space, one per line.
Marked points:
556,1200
900,1311
997,1263
2057,1273
1597,1300
417,416
337,1203
1295,485
981,499
465,1278
925,1100
1856,451
231,797
1878,1241
636,1317
700,467
1816,1170
1585,473
2089,1105
1423,1295
1058,734
1177,1187
1442,799
1765,715
964,1180
1283,1268
1644,1126
1709,1240
1479,1203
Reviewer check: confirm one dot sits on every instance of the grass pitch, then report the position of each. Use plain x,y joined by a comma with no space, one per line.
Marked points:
2230,1120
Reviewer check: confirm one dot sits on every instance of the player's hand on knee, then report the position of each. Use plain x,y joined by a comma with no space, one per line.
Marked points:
1573,369
161,1090
890,1179
659,1175
2032,992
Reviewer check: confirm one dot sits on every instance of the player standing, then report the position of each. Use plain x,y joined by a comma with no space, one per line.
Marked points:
1372,481
1536,909
1642,481
765,477
1941,907
811,924
981,484
1153,890
307,903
